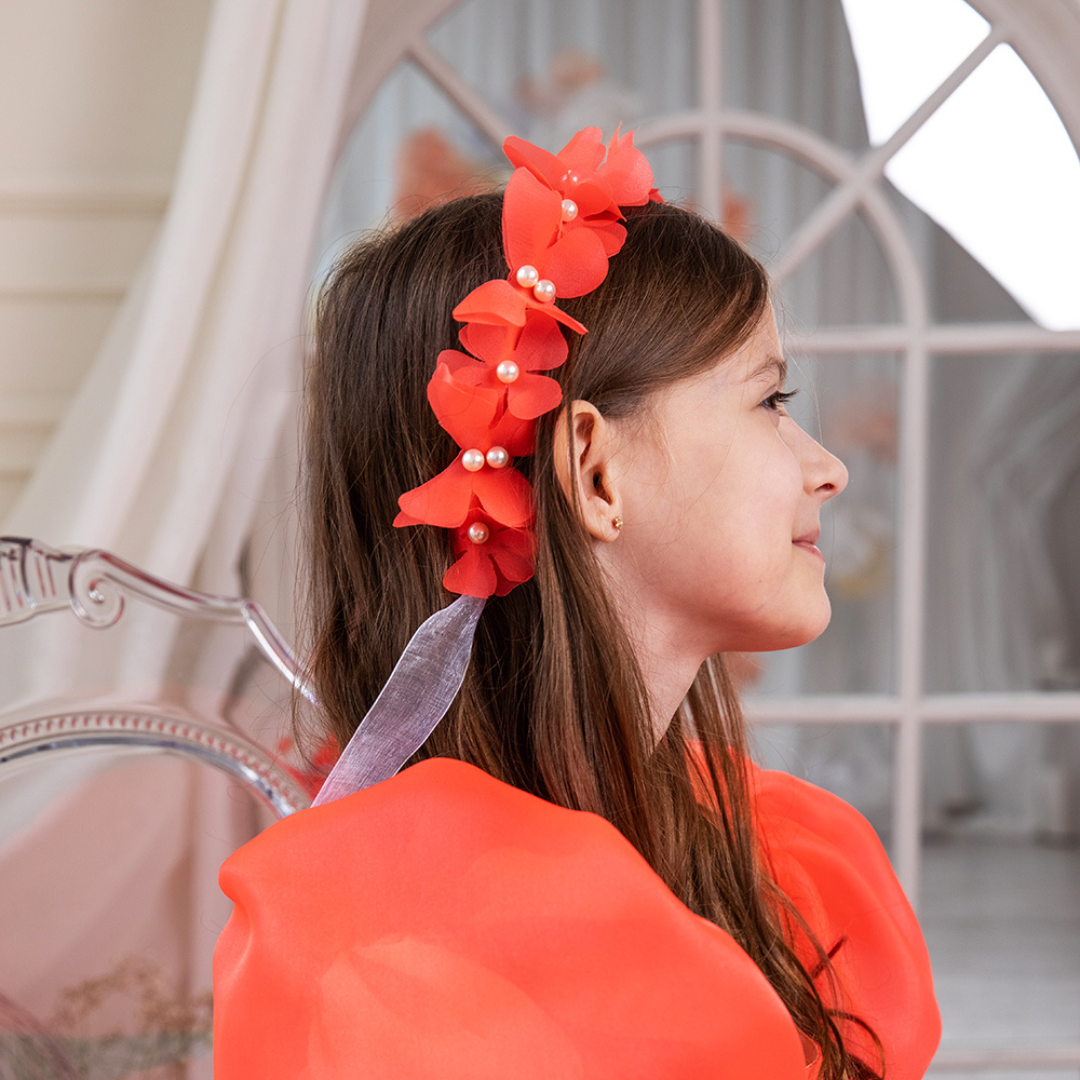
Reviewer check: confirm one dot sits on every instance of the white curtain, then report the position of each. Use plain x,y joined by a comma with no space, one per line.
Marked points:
169,436
162,458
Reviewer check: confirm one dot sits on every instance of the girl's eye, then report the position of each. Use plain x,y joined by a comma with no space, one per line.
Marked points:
780,397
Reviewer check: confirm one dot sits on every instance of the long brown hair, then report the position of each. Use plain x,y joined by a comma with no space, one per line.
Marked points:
554,701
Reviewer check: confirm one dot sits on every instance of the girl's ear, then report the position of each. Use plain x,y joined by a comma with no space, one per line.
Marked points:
586,468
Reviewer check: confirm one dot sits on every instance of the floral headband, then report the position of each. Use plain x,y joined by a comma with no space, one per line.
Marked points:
561,224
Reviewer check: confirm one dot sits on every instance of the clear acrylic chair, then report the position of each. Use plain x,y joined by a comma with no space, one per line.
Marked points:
145,732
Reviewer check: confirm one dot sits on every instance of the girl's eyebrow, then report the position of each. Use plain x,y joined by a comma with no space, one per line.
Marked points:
775,364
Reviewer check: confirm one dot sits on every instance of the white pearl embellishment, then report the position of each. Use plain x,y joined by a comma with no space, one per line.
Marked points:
498,456
479,533
528,276
507,371
569,209
473,460
544,291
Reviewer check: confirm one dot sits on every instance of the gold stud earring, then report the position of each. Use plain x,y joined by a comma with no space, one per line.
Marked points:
618,523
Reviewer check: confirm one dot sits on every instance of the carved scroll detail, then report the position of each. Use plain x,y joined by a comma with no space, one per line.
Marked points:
33,578
94,583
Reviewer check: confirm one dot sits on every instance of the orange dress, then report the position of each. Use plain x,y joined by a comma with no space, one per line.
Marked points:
443,924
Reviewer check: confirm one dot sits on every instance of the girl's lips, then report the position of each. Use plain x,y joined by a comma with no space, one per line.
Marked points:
808,545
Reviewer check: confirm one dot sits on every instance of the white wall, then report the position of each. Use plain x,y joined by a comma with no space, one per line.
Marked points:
94,97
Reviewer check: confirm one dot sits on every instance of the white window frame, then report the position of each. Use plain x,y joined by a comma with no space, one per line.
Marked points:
917,339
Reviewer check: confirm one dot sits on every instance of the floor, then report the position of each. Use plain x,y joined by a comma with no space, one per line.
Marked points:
1002,921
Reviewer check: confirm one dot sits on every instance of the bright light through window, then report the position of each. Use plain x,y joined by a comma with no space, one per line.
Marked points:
904,50
994,165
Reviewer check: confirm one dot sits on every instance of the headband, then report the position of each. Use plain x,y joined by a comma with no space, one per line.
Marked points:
561,223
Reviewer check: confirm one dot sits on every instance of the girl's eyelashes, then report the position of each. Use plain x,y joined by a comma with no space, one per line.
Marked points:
778,398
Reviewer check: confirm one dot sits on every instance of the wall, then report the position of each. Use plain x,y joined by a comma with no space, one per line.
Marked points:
94,97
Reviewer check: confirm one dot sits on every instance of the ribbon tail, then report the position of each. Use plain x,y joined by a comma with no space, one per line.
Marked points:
420,690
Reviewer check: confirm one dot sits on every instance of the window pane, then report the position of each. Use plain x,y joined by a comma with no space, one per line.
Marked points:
851,404
958,287
844,281
854,761
995,167
412,147
794,61
676,166
1003,583
552,68
887,36
1001,887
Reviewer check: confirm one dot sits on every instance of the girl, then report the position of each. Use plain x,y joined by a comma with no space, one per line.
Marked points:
581,874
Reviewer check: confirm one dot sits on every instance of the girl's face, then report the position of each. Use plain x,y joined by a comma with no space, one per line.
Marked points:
721,494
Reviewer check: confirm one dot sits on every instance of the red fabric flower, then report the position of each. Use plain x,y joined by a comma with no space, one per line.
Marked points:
537,346
534,234
476,418
505,559
579,172
475,415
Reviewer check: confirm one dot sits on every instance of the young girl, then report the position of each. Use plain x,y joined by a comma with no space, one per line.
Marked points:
581,873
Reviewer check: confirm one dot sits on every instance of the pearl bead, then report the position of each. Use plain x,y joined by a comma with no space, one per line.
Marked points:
569,209
544,291
479,532
498,456
473,460
507,371
527,276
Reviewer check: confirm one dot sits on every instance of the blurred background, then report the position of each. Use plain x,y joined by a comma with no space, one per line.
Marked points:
175,179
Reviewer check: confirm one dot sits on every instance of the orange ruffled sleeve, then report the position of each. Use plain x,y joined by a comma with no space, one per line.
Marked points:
829,861
443,924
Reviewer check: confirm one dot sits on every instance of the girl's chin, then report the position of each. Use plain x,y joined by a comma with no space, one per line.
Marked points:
800,628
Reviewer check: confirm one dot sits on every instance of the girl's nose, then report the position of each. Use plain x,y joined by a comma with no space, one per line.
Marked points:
824,474
833,473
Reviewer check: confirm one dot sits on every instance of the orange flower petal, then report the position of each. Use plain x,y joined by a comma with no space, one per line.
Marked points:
464,411
610,233
404,519
499,302
532,396
495,302
445,500
464,368
532,219
538,346
593,196
540,162
576,263
473,574
505,560
585,151
541,345
514,562
628,171
514,431
505,496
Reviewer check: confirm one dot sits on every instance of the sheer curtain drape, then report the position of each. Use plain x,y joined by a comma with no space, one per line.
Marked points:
163,458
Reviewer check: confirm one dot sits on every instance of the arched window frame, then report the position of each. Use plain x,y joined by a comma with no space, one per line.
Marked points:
857,187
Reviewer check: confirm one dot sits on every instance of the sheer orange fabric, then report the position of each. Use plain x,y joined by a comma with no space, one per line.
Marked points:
443,924
830,863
